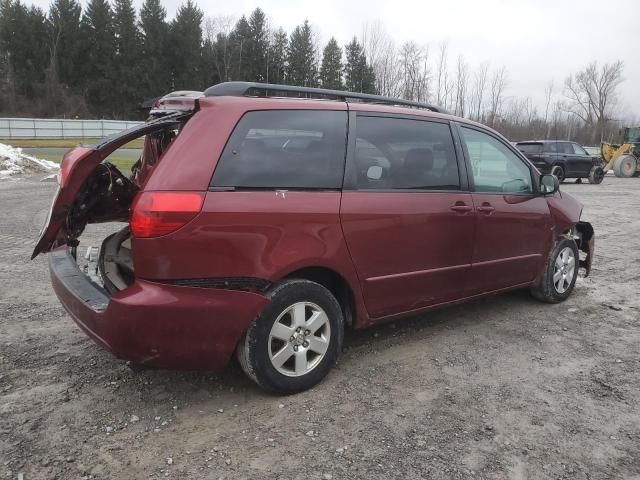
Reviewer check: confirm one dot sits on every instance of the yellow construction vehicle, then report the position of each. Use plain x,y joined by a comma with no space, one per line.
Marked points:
623,159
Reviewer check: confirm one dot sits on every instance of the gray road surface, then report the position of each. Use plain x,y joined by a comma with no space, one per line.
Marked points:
503,388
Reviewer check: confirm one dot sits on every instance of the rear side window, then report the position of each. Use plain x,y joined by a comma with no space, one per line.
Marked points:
396,153
566,147
530,148
285,149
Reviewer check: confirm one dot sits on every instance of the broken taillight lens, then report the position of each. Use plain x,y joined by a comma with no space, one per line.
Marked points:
158,213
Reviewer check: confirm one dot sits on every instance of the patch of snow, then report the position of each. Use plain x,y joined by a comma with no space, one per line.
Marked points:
14,162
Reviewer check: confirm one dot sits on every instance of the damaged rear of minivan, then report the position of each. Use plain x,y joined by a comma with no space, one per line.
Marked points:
138,318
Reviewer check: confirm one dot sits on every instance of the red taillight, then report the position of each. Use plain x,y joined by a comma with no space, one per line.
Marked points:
158,213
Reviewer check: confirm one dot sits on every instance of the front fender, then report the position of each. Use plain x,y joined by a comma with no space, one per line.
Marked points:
565,211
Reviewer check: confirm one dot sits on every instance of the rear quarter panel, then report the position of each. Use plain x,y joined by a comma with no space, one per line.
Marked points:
263,234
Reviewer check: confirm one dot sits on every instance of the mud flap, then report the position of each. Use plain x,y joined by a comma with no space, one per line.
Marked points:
586,244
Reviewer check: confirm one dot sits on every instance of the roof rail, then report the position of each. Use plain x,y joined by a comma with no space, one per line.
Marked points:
247,89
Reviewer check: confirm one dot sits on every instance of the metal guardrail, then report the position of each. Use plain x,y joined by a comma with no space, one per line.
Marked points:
61,128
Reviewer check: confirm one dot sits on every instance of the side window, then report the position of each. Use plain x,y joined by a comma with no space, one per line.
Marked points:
285,149
495,167
578,150
551,147
567,148
397,153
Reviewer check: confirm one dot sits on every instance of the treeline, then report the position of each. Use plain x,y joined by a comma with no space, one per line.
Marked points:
106,60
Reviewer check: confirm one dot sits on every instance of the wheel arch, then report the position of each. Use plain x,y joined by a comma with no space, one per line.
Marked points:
335,283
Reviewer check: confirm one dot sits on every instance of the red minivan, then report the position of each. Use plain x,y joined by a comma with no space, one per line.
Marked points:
263,225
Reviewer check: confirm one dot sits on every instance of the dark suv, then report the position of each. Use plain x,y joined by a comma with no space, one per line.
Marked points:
264,226
563,159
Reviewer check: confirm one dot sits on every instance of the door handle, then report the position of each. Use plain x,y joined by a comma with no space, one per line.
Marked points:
485,208
461,208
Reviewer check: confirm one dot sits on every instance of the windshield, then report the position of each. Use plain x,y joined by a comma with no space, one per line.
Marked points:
632,135
530,147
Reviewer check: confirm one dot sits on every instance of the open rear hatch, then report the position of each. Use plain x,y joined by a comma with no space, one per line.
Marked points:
93,191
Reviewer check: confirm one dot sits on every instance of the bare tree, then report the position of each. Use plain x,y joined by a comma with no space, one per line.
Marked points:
591,93
441,76
382,55
548,95
461,86
496,100
480,78
416,73
217,30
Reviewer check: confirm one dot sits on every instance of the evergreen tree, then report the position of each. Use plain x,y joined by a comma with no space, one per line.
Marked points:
368,77
155,72
65,40
186,48
209,68
220,53
358,75
240,39
128,56
257,47
99,48
302,68
23,32
277,57
331,68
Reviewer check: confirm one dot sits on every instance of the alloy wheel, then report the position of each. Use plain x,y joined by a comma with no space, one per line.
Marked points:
563,270
299,339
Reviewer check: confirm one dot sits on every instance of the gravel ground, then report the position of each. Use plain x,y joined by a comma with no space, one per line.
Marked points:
501,388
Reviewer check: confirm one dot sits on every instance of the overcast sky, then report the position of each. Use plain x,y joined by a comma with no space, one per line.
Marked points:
536,40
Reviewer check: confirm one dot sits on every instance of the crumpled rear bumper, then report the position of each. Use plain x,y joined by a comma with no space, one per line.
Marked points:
154,323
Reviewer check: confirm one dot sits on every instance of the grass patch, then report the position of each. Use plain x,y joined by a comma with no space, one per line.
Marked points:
124,164
61,142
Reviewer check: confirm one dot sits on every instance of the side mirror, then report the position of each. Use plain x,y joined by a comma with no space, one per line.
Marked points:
549,184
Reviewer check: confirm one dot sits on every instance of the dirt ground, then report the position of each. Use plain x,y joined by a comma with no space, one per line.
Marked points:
501,388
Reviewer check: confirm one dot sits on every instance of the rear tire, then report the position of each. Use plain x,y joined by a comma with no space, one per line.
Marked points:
558,171
296,340
560,272
596,175
625,166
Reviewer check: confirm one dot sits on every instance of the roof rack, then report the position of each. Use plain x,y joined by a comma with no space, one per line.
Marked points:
253,89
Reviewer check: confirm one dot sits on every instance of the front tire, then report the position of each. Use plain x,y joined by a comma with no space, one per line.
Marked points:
560,272
296,340
558,171
596,175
